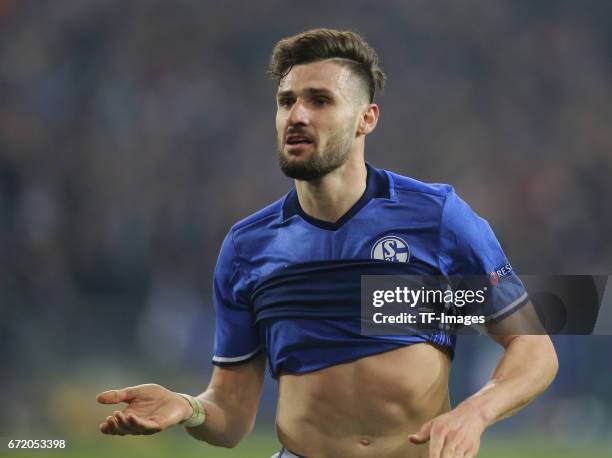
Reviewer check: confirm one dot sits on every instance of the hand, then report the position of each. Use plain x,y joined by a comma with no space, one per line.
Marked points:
455,434
151,409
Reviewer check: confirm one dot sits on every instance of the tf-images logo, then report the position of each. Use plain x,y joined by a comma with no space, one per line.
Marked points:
391,248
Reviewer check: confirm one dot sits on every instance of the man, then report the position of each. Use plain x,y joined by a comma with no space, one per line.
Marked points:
286,290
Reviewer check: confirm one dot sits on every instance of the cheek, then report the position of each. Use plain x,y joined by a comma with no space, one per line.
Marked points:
342,127
280,123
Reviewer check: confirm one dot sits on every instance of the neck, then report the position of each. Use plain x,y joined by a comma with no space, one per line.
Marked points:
331,196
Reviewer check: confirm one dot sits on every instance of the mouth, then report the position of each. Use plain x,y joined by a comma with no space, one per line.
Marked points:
298,140
296,144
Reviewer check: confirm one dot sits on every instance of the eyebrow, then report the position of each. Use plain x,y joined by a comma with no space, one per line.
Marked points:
310,91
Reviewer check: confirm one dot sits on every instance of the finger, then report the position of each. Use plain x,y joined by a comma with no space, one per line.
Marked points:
115,396
116,428
123,422
436,442
453,446
104,428
143,425
423,435
108,427
472,451
464,450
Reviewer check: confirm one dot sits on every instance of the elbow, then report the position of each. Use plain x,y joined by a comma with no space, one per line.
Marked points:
553,363
545,361
227,441
224,443
549,364
224,439
232,438
233,441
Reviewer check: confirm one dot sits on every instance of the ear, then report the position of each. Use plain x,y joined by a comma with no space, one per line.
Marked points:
368,119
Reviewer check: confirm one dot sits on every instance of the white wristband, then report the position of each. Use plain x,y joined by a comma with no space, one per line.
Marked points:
199,413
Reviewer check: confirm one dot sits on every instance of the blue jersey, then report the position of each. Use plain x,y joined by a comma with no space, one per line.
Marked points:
289,285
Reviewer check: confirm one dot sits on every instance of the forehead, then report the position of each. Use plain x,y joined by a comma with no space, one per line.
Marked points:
324,74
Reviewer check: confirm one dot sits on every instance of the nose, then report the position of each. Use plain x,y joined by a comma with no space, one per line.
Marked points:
298,114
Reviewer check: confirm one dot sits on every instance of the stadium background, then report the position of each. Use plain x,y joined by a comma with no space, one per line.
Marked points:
133,134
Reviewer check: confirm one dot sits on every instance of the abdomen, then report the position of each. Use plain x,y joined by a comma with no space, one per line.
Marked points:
364,408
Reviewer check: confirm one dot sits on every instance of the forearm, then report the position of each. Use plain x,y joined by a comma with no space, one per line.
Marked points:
227,422
527,367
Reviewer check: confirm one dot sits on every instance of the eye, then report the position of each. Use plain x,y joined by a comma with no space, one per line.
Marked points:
320,101
285,103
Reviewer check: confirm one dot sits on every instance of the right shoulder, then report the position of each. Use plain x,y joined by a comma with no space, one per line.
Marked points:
258,222
248,235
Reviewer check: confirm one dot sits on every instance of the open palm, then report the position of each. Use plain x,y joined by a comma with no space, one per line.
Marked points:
151,408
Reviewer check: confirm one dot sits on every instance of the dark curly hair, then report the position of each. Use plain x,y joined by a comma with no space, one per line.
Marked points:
348,48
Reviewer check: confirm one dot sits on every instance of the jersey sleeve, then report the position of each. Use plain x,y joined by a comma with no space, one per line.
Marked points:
469,250
236,338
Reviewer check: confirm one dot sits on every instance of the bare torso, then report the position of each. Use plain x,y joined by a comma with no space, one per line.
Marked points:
365,408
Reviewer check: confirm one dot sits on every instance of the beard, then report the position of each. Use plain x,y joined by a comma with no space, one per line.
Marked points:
320,163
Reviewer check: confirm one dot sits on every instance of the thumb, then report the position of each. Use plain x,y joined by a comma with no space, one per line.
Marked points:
423,435
115,396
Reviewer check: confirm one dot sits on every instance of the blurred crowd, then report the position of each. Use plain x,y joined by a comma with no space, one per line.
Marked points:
134,134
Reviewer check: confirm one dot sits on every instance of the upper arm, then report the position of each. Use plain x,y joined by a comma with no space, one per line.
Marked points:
236,336
524,326
239,370
524,321
470,252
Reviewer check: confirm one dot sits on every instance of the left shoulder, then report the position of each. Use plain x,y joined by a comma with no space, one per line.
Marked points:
402,187
404,183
